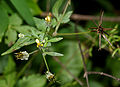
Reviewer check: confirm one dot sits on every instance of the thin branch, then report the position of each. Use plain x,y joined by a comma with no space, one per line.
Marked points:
83,59
105,74
79,17
64,67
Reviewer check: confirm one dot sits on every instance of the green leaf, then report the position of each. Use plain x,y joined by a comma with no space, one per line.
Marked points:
32,81
3,22
53,54
5,6
66,17
34,8
55,39
56,7
24,11
10,73
3,83
15,20
20,43
40,24
11,37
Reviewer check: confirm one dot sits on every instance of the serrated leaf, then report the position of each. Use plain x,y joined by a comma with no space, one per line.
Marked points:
32,81
53,54
3,22
40,24
55,39
24,11
15,20
20,43
10,73
56,7
66,17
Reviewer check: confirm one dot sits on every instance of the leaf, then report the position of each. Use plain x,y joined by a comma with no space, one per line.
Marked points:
32,81
66,17
34,8
40,24
15,20
10,73
5,6
53,54
3,22
56,7
3,83
95,84
11,37
55,39
24,11
20,43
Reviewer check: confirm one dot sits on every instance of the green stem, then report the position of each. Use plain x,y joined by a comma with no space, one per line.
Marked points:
63,34
33,52
45,59
56,29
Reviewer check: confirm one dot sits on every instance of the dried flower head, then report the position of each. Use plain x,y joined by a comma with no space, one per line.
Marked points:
50,76
21,35
22,55
38,43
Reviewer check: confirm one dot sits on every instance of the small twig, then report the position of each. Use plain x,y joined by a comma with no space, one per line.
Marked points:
104,74
83,59
56,29
79,17
64,67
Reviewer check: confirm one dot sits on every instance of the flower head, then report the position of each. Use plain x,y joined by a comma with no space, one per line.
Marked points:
22,55
21,35
48,18
38,43
50,76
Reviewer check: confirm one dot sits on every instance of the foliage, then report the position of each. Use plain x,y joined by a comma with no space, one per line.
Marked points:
24,32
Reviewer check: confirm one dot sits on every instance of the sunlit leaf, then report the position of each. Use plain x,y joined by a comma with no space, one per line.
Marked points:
55,39
53,54
66,17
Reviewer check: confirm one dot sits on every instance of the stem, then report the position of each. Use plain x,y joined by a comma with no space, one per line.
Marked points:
63,34
33,52
105,74
45,59
83,59
56,29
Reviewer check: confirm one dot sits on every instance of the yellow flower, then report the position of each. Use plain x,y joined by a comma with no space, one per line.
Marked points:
48,18
38,43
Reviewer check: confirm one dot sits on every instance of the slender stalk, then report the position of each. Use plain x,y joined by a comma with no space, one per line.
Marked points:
63,34
104,74
33,52
83,59
45,59
56,29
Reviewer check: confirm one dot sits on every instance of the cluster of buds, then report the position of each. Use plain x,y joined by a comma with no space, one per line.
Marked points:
22,55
